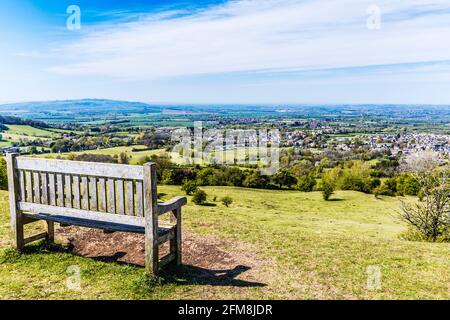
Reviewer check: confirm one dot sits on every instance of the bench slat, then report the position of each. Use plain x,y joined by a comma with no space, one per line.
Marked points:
37,187
44,188
29,186
111,196
22,185
68,186
76,192
85,190
60,187
35,208
139,199
51,189
102,194
130,197
120,197
109,170
93,190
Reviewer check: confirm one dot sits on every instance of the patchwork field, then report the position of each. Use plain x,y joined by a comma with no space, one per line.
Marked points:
16,133
135,156
267,244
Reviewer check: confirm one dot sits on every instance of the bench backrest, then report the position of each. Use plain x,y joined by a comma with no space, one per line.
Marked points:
87,186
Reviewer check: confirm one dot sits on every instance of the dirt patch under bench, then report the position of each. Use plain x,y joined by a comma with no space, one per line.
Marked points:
206,259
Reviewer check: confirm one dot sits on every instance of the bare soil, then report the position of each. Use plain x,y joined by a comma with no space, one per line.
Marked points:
206,259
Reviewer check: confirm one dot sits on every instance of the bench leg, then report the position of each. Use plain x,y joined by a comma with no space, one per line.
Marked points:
50,231
151,254
18,232
175,243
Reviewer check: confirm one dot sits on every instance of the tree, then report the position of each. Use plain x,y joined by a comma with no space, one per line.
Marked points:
189,186
199,197
430,217
227,201
284,178
327,190
306,183
256,180
123,158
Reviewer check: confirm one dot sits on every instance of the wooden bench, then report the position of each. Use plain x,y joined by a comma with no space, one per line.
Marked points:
111,197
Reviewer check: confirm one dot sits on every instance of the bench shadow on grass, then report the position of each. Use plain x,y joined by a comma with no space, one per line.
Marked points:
180,275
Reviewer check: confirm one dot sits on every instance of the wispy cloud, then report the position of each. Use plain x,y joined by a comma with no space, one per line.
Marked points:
262,35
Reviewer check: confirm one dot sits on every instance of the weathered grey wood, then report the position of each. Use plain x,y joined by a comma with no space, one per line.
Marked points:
29,186
111,196
102,194
109,170
134,199
27,220
151,219
175,243
130,197
167,259
89,222
44,188
16,216
76,192
37,187
35,208
60,188
68,185
120,197
93,191
171,205
167,236
22,185
52,189
85,190
51,231
139,199
36,237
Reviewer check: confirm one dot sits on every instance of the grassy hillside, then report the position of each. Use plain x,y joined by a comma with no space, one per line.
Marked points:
16,133
135,156
294,243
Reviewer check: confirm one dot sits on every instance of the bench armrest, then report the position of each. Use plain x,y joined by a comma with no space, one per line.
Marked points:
171,205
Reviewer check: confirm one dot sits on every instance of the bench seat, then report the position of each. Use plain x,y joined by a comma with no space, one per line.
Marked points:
104,222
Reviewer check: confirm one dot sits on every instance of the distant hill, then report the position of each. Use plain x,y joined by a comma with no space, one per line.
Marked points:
101,106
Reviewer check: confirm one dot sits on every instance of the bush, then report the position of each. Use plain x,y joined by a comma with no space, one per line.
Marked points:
227,201
189,186
3,175
306,183
327,190
95,158
199,197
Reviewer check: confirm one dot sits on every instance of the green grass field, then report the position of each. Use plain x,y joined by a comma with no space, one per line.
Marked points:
16,133
135,156
302,248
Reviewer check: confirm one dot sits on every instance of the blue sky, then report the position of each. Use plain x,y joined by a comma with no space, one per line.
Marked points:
240,51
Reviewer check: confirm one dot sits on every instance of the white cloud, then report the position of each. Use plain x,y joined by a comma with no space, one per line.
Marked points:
255,35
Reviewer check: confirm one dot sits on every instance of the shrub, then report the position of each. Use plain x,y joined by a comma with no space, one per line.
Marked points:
199,197
95,158
227,201
189,186
284,178
431,217
306,183
327,190
3,175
